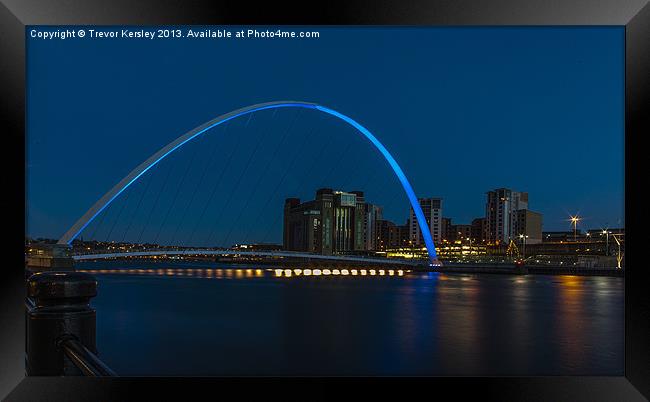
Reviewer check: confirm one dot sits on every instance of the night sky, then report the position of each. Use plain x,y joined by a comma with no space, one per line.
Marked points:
463,110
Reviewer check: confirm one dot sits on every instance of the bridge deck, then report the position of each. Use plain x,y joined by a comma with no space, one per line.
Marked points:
283,254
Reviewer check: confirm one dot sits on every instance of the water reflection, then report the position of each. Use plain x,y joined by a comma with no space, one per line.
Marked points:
353,320
571,318
229,273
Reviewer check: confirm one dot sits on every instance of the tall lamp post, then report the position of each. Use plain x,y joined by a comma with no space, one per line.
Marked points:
523,249
606,233
574,222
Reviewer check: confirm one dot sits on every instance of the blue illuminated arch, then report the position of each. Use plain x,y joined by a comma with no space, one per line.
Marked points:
103,202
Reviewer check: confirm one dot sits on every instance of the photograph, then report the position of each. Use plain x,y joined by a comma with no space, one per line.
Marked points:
220,200
334,201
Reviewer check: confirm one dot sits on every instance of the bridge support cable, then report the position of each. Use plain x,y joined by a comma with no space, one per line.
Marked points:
315,162
302,182
126,199
178,189
371,178
155,203
263,173
270,201
348,182
137,208
100,223
252,193
196,188
217,182
237,183
325,182
374,173
395,196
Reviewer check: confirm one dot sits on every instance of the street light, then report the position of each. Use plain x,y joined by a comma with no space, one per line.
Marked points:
606,233
574,222
523,249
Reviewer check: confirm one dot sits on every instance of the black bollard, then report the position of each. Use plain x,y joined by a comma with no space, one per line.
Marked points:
58,311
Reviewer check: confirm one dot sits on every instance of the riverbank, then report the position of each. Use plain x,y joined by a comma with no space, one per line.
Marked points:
511,269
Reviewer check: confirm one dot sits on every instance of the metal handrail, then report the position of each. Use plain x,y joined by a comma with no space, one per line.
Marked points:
85,360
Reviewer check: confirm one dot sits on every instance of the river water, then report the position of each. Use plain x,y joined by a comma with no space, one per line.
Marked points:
201,319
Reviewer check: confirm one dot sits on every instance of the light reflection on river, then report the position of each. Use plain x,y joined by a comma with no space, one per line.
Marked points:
216,319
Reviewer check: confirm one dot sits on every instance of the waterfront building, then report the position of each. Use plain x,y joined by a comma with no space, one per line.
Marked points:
408,252
432,209
372,216
405,235
388,235
445,228
479,230
500,212
529,223
598,233
461,232
457,250
393,236
334,222
561,236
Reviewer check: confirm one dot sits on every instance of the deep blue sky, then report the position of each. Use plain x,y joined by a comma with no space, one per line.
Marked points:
463,110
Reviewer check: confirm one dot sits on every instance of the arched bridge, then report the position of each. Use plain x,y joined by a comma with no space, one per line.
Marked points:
136,173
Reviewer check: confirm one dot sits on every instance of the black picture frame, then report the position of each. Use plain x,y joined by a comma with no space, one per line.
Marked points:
16,14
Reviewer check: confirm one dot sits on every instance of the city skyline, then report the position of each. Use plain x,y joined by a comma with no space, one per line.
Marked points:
411,223
443,227
466,118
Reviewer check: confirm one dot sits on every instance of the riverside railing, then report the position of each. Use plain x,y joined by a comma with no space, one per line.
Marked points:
60,326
